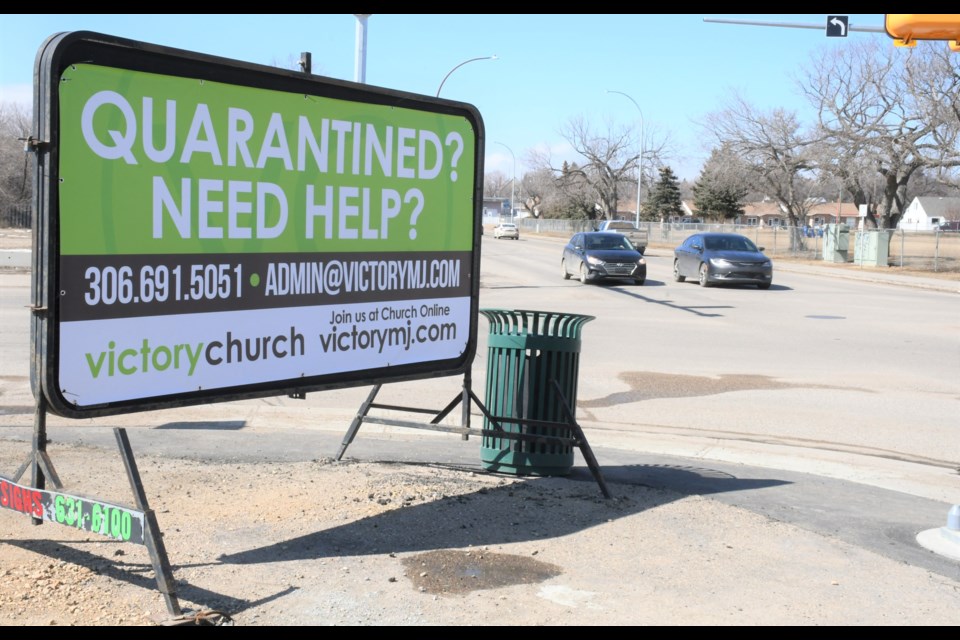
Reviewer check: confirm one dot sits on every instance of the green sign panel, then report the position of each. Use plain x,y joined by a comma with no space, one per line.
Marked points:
181,165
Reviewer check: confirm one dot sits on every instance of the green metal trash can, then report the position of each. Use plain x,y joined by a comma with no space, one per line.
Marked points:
526,351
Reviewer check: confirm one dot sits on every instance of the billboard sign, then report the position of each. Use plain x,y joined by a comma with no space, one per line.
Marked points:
211,230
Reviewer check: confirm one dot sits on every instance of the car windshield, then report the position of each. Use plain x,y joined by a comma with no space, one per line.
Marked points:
719,243
603,243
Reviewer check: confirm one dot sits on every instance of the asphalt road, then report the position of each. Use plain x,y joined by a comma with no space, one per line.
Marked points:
827,402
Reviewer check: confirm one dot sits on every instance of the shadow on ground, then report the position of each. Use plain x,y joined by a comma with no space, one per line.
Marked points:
537,509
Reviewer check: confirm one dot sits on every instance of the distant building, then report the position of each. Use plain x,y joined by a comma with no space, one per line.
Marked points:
926,213
769,213
832,212
765,214
495,208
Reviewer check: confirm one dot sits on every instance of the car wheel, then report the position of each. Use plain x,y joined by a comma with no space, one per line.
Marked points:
583,273
563,267
704,281
676,272
765,285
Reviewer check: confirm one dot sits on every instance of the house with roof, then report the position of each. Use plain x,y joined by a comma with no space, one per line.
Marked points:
831,213
765,214
769,213
926,213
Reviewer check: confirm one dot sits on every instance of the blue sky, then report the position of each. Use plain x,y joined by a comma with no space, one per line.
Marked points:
549,68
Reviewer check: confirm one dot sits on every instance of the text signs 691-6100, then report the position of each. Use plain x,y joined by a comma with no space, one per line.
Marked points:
119,523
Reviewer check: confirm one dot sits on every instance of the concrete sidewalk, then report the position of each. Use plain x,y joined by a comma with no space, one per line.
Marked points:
949,283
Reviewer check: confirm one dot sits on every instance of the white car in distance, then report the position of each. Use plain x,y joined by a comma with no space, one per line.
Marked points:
506,230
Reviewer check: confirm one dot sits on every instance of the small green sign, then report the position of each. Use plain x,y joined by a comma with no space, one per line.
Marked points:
112,521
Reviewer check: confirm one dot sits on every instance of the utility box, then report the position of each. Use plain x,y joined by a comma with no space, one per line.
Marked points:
836,243
873,248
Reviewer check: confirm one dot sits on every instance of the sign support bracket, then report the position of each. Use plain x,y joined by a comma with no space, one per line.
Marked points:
467,396
39,462
153,539
41,469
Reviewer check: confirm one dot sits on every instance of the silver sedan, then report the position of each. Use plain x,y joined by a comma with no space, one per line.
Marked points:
722,258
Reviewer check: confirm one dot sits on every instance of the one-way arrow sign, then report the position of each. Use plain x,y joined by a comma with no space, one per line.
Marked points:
837,26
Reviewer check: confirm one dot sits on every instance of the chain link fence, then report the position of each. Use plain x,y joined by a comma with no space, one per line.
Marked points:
937,251
919,250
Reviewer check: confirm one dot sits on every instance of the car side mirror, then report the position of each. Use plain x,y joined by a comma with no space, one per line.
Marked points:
759,248
697,247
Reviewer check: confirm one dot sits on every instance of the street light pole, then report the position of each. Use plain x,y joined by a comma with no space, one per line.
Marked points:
513,182
360,55
460,65
640,161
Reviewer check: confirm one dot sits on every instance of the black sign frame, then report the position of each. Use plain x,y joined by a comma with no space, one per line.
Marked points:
61,50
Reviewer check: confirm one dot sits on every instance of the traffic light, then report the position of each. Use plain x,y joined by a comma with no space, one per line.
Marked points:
907,28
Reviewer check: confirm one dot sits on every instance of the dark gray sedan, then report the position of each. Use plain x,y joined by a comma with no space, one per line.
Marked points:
602,255
722,258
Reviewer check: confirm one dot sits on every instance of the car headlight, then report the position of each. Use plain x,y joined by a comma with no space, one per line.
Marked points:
594,260
719,262
641,261
767,264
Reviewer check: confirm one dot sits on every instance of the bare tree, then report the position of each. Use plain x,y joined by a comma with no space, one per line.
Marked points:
496,184
851,174
777,151
933,76
543,195
579,196
15,183
884,112
931,182
607,175
610,161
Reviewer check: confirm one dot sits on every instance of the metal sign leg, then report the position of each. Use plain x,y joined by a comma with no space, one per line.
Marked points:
152,536
465,405
39,463
357,420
